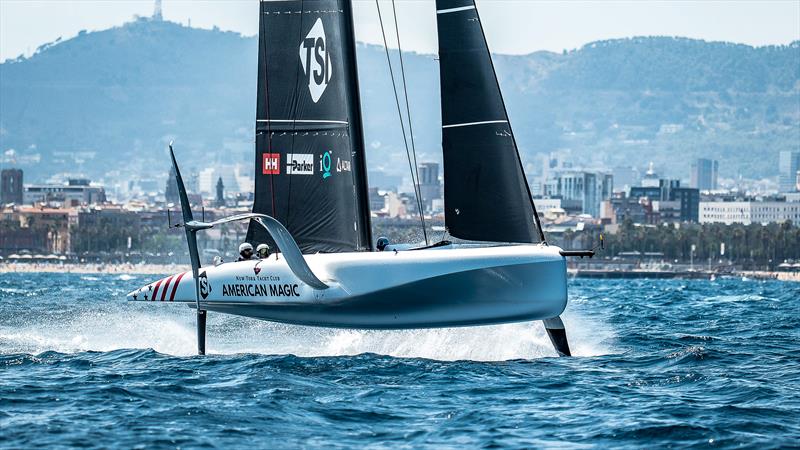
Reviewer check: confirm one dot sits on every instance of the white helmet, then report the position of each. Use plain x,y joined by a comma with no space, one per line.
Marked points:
262,247
245,246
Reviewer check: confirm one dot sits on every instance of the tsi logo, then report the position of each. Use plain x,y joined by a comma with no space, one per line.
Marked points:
271,164
299,164
316,60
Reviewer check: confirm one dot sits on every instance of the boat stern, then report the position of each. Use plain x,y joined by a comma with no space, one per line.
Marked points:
175,288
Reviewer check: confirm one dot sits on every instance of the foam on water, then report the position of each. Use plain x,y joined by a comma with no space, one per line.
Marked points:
170,329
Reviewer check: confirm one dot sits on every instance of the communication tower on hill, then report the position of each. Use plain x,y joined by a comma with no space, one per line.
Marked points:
157,16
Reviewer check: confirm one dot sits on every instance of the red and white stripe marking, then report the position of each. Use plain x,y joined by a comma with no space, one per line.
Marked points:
163,286
175,286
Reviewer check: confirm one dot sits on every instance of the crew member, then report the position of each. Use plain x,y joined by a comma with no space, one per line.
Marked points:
245,252
262,251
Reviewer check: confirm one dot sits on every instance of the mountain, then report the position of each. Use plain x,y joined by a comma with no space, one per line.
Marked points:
106,103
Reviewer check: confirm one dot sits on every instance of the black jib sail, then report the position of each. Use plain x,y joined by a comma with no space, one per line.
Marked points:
486,195
310,168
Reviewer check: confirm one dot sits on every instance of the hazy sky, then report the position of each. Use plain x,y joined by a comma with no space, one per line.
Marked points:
512,26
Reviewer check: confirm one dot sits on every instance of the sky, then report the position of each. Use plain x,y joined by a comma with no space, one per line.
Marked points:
511,26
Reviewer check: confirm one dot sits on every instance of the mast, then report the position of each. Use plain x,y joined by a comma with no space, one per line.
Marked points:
487,197
310,167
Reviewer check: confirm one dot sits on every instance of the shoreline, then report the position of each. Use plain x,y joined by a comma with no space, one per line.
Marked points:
94,268
160,269
682,275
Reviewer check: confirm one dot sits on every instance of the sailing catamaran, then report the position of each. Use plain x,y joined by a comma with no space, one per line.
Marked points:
311,197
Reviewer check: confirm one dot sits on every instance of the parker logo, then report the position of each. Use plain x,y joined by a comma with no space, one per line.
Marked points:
316,60
300,164
271,164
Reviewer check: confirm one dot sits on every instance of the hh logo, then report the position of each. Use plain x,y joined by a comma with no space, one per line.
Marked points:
316,60
271,164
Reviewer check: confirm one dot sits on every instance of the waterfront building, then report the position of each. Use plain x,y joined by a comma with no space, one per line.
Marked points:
704,174
788,166
544,205
11,188
34,229
622,207
625,178
377,200
668,211
430,188
582,189
666,190
234,177
396,205
76,192
747,212
384,181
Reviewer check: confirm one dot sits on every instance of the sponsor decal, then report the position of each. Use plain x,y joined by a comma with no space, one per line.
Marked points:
299,164
271,164
257,269
342,165
325,164
205,288
316,60
260,290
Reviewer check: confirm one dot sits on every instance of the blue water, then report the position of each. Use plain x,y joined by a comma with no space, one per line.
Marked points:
660,364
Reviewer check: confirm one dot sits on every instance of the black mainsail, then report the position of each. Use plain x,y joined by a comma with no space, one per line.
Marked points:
486,195
310,168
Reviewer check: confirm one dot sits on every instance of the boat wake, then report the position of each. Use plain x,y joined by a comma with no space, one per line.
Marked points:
170,329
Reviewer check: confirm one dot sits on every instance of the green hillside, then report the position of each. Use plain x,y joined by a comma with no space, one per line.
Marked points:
112,100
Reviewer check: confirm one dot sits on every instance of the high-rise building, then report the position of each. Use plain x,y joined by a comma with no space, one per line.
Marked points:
11,186
797,181
788,165
429,186
583,191
625,178
171,192
220,193
704,174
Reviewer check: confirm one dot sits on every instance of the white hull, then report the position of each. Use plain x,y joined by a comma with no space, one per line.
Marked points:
440,287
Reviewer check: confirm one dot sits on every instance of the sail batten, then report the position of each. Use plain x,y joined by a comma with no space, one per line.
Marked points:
486,195
469,124
309,166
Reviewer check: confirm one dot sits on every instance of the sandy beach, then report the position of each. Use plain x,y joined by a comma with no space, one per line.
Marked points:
112,268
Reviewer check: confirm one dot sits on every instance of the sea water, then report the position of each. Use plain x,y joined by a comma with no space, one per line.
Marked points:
675,363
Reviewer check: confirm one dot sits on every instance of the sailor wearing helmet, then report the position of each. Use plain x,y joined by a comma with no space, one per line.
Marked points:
245,252
262,251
